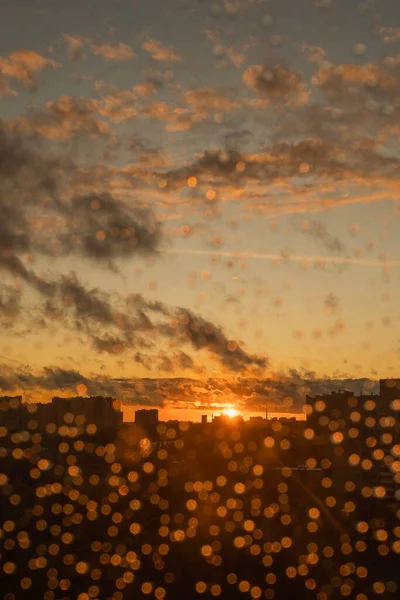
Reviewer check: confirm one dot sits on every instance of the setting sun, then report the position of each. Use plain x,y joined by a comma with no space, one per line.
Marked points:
230,412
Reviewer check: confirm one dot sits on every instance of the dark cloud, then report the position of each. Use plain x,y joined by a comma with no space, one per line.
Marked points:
332,301
10,305
179,361
349,83
74,47
284,392
276,84
101,228
202,334
114,325
303,166
97,227
318,231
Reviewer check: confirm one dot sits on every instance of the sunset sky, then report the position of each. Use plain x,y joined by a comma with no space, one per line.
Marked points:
198,189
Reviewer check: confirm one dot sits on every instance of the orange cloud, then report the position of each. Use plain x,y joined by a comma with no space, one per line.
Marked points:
5,89
63,119
74,46
349,78
117,52
25,65
234,7
160,52
209,100
315,54
67,116
176,119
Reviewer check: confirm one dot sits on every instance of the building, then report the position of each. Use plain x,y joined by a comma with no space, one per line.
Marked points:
146,416
80,413
103,412
365,428
226,421
388,436
204,419
11,413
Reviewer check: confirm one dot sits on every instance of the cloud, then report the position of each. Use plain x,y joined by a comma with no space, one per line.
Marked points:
175,118
202,334
349,82
315,54
160,52
276,257
177,362
25,66
74,47
234,7
145,153
332,301
221,50
284,392
198,104
205,101
5,90
10,306
97,226
101,228
62,119
112,52
69,117
56,379
276,84
293,176
317,230
114,325
388,34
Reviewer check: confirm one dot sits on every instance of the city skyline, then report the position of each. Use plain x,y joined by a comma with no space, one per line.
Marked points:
207,192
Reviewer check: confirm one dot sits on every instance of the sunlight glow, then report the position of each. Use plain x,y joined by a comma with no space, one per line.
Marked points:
230,412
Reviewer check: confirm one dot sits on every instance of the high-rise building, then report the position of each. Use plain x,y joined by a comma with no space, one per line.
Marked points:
365,428
146,416
11,413
388,436
103,412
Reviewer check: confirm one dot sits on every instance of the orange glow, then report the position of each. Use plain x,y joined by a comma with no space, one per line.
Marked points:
230,412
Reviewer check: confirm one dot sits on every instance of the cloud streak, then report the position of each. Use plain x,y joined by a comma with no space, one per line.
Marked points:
286,258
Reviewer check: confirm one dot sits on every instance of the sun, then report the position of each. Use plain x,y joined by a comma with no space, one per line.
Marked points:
230,412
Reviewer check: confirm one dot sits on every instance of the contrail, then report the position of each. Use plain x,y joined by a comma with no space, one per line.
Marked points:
339,260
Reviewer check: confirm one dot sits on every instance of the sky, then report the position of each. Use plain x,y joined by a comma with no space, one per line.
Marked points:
198,192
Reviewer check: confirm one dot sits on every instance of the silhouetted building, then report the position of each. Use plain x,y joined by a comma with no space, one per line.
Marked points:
146,416
204,419
226,421
362,431
11,413
103,412
97,413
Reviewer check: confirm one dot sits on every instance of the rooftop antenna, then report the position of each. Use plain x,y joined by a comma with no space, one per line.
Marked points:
266,411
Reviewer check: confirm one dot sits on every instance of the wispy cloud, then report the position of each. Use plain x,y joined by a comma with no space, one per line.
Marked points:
74,47
113,52
160,52
306,260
